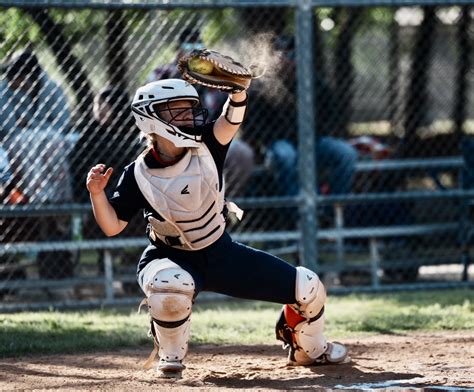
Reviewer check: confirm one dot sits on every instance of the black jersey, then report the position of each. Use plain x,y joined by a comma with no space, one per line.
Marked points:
127,198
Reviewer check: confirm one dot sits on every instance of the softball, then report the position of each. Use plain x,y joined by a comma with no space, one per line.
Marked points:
201,66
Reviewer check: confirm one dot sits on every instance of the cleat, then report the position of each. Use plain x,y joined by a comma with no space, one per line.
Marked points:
170,369
335,353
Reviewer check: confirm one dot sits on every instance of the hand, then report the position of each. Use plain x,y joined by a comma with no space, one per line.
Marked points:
97,180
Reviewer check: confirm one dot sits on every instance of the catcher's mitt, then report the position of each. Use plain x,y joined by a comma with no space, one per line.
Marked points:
212,69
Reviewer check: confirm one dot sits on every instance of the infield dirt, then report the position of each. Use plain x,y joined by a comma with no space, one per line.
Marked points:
444,360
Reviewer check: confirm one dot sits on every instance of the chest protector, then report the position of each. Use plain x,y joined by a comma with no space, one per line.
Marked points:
187,197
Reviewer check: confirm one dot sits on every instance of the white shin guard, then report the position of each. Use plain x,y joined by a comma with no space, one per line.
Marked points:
173,341
310,341
169,290
301,325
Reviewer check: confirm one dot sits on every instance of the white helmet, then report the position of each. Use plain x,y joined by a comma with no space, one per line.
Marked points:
148,103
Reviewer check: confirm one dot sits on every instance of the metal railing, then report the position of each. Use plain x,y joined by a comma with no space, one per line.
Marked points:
370,63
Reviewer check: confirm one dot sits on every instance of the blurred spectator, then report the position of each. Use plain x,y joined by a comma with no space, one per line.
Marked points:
239,162
9,193
110,137
34,122
29,99
274,115
5,176
9,264
238,167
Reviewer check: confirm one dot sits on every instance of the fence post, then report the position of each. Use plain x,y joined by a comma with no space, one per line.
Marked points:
306,133
374,262
108,276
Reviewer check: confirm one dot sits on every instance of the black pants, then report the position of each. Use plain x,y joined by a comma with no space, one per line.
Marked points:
231,268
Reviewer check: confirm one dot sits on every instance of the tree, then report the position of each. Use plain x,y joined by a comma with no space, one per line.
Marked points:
115,48
61,47
417,102
463,66
348,19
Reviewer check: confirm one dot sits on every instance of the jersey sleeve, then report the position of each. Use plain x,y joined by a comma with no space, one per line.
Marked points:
126,198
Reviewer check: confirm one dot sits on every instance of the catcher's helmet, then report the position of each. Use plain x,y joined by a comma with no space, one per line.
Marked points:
151,100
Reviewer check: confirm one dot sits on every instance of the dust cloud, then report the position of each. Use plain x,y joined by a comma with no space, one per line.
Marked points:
257,52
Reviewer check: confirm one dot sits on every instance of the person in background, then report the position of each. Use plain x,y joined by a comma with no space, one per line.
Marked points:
29,99
108,137
35,125
274,117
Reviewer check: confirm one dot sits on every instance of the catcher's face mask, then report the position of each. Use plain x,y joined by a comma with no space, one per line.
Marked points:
170,108
183,114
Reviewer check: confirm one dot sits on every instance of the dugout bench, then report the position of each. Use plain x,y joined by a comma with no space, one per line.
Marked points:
377,234
337,233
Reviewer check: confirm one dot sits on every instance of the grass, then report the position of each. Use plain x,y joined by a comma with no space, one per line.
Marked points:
245,322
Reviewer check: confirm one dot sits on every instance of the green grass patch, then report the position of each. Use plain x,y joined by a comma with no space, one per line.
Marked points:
243,322
69,332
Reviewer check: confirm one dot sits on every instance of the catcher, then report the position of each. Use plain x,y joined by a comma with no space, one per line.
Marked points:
177,182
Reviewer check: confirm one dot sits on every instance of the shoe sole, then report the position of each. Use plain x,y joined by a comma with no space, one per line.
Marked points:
176,374
171,371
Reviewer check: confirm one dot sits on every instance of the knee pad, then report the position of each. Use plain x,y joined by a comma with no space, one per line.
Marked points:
170,292
310,293
301,325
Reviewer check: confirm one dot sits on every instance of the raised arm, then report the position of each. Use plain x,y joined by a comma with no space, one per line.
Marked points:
215,70
104,213
232,116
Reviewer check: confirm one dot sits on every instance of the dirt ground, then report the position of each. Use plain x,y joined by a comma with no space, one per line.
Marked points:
444,361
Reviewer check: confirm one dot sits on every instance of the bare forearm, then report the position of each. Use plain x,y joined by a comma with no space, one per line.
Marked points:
105,215
229,121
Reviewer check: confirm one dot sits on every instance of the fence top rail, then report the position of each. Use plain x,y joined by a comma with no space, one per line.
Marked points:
147,4
78,208
387,196
169,4
135,242
389,231
14,211
455,162
132,242
43,209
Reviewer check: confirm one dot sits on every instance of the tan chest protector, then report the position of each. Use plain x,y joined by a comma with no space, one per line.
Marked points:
187,197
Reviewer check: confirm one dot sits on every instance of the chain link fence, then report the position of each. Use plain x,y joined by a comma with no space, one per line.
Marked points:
355,157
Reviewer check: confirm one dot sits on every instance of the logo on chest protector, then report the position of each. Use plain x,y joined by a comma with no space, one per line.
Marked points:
185,190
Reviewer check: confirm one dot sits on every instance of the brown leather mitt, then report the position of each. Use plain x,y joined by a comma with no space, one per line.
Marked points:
214,70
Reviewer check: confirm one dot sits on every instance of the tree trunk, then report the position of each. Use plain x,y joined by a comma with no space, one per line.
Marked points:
393,74
269,19
115,49
349,19
464,51
326,104
70,65
417,104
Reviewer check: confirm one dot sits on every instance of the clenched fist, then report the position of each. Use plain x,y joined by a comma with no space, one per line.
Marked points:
97,180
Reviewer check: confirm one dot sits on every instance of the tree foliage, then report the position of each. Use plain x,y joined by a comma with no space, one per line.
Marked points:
16,31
